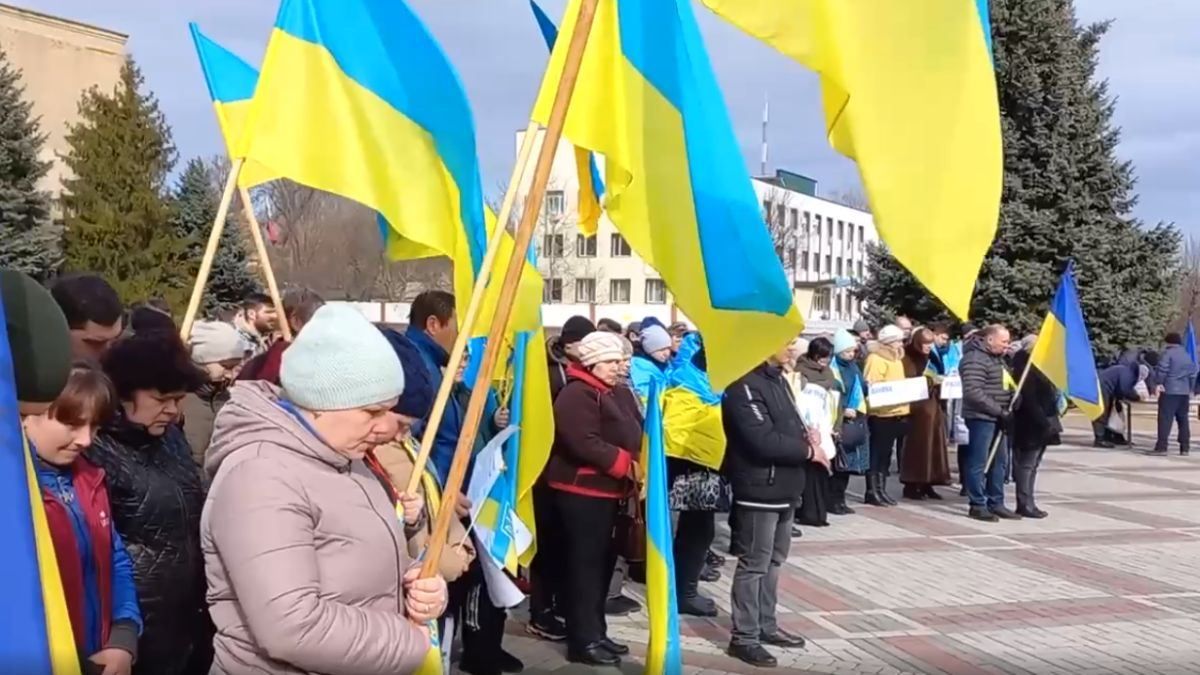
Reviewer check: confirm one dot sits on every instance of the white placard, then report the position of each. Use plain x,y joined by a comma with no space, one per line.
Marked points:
898,392
952,388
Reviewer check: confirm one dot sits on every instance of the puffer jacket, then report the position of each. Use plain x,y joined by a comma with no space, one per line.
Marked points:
597,437
1036,422
767,442
984,395
304,553
156,497
1176,373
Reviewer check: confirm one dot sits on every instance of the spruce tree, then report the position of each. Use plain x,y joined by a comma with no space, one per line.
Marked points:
29,240
195,200
1066,195
118,216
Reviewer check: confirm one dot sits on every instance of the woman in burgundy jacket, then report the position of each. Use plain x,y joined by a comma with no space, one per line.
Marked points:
591,469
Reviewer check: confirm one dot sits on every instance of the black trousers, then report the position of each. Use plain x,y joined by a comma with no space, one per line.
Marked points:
482,622
694,532
589,554
887,433
838,483
545,573
1173,410
1025,467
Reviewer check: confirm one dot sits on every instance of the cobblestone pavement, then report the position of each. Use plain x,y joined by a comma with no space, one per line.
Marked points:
1109,583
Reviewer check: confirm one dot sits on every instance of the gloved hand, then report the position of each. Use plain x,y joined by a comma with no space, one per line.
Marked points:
1005,422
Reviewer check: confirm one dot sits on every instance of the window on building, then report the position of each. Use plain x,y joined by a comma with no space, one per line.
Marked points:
618,291
804,262
794,221
850,235
829,228
585,290
552,291
552,246
556,203
837,304
585,247
841,229
828,264
619,248
807,223
860,269
839,267
861,238
767,210
656,292
821,300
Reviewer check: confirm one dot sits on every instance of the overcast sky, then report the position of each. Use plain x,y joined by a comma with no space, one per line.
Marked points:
1151,58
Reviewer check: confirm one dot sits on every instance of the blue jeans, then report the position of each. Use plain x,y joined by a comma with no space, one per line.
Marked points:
979,442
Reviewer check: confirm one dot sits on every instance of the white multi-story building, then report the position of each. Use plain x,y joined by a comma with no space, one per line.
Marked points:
822,245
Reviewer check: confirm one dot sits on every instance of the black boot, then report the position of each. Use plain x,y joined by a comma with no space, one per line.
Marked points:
883,493
871,494
692,603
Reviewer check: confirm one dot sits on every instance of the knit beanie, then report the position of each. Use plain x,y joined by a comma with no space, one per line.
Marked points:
890,335
650,321
843,340
654,338
216,341
861,326
575,329
417,399
340,362
599,347
38,338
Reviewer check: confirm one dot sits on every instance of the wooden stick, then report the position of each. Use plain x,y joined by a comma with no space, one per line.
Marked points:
508,291
1011,406
264,262
210,251
467,323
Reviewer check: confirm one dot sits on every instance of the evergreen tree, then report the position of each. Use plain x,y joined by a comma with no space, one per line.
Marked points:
196,199
29,239
117,212
1066,195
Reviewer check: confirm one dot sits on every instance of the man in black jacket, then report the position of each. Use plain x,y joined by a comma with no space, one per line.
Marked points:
767,449
986,400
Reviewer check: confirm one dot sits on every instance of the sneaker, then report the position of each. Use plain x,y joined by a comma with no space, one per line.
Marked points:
1005,513
710,574
697,605
753,655
621,606
980,513
714,559
1108,445
549,628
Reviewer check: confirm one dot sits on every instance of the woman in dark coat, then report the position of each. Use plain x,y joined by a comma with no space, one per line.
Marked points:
156,498
925,462
814,368
592,468
1035,425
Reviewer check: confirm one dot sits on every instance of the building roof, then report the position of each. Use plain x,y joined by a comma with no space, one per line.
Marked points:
62,23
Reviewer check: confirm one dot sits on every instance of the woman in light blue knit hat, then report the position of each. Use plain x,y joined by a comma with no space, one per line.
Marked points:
308,567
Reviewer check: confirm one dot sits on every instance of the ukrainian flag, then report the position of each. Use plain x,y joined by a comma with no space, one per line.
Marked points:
231,84
591,186
34,623
909,93
356,98
663,655
1063,351
677,187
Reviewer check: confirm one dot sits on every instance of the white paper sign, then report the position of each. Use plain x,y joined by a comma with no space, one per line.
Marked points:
952,388
898,392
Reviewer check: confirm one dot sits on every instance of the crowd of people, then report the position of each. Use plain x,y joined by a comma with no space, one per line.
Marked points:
238,503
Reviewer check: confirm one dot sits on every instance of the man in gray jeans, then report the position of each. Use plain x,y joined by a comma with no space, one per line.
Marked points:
1176,381
767,452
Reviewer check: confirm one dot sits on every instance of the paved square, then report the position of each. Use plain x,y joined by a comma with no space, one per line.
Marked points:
1109,583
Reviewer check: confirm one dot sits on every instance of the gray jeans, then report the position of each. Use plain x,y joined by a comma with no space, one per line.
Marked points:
764,538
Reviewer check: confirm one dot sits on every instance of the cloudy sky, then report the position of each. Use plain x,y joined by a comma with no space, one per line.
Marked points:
1151,58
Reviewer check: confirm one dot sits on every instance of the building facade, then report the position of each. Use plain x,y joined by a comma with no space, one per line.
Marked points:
59,60
822,245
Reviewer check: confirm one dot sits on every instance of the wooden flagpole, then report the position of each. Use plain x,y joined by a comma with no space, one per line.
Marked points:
264,262
467,322
508,290
1011,406
210,251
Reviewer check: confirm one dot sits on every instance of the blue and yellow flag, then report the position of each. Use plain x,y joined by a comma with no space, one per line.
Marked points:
1189,341
34,622
591,186
909,93
356,98
231,83
663,655
1063,351
677,187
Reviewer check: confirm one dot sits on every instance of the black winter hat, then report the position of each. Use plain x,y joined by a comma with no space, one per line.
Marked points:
38,338
575,329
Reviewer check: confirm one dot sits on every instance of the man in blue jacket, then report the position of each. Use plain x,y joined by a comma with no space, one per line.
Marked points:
1176,376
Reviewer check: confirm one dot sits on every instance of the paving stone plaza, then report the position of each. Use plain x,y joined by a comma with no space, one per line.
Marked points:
1109,583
